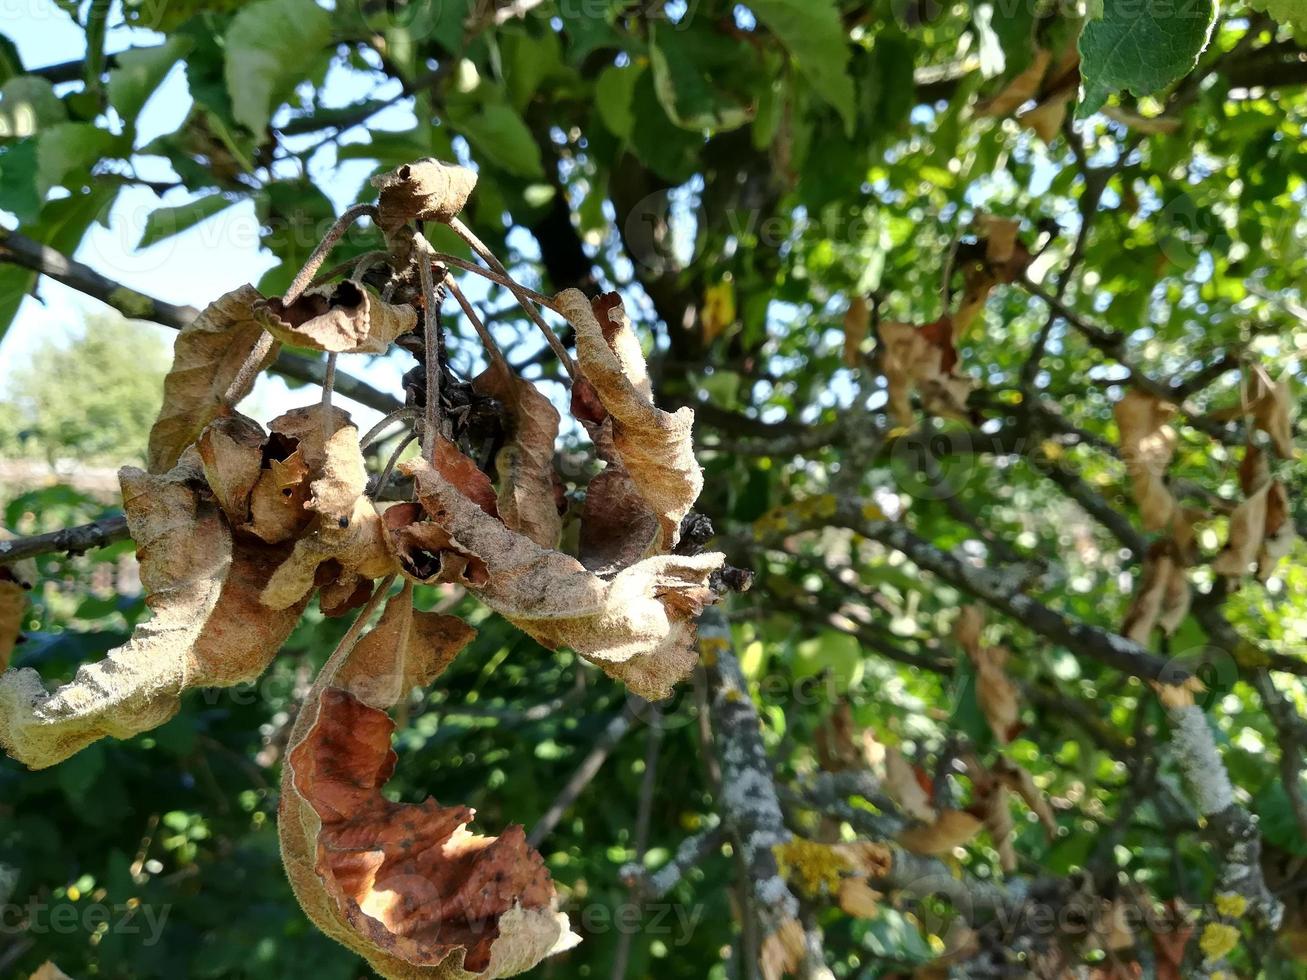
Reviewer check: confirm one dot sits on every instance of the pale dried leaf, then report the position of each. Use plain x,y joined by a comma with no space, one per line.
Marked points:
16,580
859,899
406,886
1246,534
527,501
951,829
967,627
48,971
207,356
1148,125
638,626
1147,446
427,190
999,824
1000,235
232,450
1020,90
1163,595
655,447
783,950
857,325
207,627
1045,119
870,859
342,317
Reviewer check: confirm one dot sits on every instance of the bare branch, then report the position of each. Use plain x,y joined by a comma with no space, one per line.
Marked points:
71,540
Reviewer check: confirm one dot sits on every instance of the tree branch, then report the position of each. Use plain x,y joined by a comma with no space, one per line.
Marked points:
72,540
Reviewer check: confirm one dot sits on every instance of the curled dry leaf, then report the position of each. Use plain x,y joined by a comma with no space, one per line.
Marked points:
950,829
857,324
527,501
406,886
207,357
346,528
1270,405
16,580
1018,780
207,629
1051,84
923,358
426,552
638,626
782,951
1163,596
905,789
858,899
1260,527
1147,446
427,190
48,971
999,257
995,692
656,447
992,801
342,317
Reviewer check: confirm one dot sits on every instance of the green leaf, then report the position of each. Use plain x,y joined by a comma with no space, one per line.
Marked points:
703,79
499,135
270,47
67,148
18,167
614,90
1141,46
838,653
28,105
139,72
1292,13
814,35
165,222
11,63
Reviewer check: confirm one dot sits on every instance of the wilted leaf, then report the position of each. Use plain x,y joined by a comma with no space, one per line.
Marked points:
858,899
1147,445
16,580
427,190
207,356
342,317
208,628
655,447
1260,527
995,692
48,971
638,626
782,951
426,552
1163,595
406,886
527,501
905,789
952,828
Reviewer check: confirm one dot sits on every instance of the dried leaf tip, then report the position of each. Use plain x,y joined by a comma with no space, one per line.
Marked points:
427,190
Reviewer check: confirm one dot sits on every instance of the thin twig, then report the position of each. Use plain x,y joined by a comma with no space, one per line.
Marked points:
480,247
431,334
265,349
72,540
617,728
329,240
502,279
374,433
487,341
384,476
328,386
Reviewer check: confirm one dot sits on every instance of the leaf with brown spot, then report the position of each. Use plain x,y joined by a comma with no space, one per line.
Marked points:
346,527
427,190
406,886
207,629
207,356
638,626
525,464
656,447
342,317
1147,446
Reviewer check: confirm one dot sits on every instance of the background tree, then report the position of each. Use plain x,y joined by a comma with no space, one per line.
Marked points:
978,304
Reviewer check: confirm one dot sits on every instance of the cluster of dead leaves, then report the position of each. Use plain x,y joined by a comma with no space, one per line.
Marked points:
238,528
924,358
1261,529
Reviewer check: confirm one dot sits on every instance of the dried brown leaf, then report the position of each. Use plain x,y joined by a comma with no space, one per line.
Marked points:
406,886
1018,780
1147,446
655,447
1163,596
207,357
859,899
346,527
48,971
923,358
857,325
1020,90
526,500
208,628
426,553
427,190
231,448
16,580
638,626
904,789
783,950
952,828
342,317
